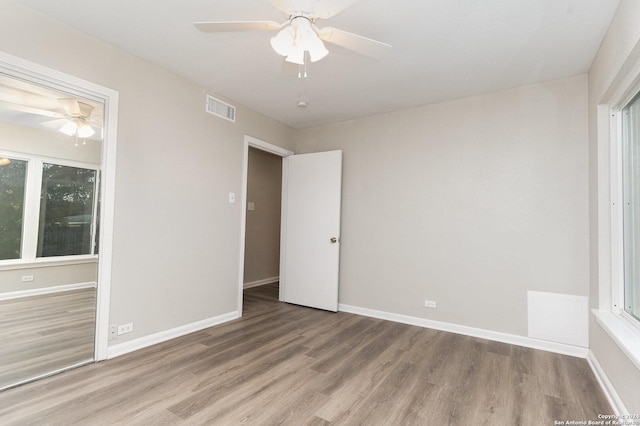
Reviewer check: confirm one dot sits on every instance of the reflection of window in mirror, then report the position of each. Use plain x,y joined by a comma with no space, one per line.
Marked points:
13,175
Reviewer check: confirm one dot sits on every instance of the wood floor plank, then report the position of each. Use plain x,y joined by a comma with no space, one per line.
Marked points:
285,364
46,333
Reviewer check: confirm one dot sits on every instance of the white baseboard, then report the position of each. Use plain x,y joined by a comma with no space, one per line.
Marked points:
513,339
46,290
606,385
153,339
264,281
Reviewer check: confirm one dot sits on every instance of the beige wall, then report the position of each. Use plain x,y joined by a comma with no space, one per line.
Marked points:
619,51
39,142
176,238
469,203
47,276
262,242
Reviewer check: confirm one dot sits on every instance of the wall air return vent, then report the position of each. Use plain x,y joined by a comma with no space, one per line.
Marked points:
221,109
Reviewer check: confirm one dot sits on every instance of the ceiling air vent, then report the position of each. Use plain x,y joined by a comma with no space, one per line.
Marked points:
221,109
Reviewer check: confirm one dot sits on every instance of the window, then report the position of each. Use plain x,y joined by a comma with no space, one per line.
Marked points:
631,203
46,209
66,211
13,174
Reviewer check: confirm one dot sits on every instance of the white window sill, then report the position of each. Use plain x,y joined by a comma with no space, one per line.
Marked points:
623,333
47,262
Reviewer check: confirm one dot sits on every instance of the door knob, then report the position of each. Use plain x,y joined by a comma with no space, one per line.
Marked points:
333,240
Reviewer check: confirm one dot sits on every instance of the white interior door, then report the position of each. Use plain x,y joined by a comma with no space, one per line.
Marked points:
310,248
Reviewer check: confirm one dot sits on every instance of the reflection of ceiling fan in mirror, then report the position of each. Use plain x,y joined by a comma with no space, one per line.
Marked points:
33,106
299,36
77,120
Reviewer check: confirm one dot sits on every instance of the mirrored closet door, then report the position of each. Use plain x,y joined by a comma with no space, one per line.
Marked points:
50,159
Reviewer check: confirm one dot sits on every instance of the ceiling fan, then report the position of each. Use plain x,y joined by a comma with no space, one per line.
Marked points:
299,36
77,120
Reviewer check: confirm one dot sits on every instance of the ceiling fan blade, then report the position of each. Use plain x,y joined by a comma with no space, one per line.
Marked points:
290,6
55,124
70,106
327,8
228,26
76,108
366,46
30,110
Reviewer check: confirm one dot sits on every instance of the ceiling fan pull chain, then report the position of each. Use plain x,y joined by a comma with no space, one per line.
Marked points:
302,74
302,67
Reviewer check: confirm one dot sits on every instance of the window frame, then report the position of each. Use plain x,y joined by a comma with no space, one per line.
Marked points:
31,212
623,328
618,140
608,277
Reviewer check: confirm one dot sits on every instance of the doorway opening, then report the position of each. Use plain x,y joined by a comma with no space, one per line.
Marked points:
261,216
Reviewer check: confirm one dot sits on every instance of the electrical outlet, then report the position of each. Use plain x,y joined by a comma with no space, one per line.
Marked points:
430,303
125,328
27,278
113,332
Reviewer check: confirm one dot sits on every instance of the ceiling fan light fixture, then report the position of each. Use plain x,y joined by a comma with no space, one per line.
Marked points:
297,38
296,56
77,127
283,42
317,50
70,128
85,131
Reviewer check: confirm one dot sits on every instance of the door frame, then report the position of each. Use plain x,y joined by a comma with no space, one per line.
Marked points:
35,73
251,142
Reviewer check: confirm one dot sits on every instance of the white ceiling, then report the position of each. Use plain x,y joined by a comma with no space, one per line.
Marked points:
442,49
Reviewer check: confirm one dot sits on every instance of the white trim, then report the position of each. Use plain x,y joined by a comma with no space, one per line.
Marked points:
153,339
31,212
47,374
606,385
48,262
243,220
263,281
625,334
266,146
107,209
617,210
469,331
46,290
605,211
284,208
48,77
252,142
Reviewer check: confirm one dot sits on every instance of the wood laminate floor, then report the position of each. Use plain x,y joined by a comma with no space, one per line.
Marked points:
285,364
46,333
